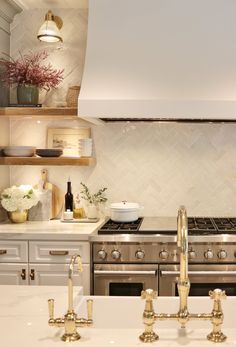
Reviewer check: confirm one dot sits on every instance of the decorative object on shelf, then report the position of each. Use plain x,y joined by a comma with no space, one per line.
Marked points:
93,200
19,151
67,139
85,147
30,75
72,96
17,201
50,29
49,152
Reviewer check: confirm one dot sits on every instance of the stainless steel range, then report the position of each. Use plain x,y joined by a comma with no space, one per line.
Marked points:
130,257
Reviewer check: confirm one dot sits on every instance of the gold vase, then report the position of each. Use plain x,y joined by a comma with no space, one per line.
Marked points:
18,216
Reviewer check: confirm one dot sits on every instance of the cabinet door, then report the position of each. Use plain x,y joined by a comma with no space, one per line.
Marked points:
14,273
57,275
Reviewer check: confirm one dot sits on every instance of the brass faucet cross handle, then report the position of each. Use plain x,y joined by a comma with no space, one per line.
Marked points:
70,320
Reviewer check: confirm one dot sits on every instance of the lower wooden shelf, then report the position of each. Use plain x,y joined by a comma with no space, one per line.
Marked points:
83,161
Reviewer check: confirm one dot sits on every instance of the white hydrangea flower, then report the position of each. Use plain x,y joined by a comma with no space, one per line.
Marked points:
19,198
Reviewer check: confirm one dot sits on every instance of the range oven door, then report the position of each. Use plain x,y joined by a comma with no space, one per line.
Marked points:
124,280
202,278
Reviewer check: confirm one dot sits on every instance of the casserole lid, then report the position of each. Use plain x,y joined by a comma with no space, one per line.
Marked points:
125,206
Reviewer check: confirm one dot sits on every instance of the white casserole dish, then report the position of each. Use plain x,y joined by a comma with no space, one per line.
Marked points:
124,211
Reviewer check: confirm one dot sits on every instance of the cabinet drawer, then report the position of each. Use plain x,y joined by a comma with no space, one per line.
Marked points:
58,251
13,251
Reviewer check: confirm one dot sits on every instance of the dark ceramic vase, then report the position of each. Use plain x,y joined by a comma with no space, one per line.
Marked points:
27,94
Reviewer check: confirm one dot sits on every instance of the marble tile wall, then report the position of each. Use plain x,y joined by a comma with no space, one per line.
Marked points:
159,165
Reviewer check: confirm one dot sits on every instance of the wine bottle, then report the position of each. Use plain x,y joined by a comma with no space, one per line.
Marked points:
69,197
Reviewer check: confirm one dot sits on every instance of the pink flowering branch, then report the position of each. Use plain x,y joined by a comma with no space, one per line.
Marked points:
29,70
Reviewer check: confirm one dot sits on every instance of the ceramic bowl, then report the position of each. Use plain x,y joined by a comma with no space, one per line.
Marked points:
19,151
49,152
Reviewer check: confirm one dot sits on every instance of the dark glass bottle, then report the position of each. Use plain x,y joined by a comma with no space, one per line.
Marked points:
69,198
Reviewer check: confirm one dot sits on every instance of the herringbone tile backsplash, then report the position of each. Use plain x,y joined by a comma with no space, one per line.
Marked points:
159,165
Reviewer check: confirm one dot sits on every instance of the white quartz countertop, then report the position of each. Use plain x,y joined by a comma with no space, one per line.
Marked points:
24,320
53,229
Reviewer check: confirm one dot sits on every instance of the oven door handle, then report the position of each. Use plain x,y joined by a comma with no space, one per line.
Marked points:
199,273
125,272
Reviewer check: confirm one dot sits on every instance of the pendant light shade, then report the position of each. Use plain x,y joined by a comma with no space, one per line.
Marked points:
50,29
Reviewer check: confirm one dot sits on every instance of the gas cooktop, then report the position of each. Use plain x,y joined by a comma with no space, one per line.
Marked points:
159,225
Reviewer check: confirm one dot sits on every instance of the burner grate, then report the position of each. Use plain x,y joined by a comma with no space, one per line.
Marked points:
111,227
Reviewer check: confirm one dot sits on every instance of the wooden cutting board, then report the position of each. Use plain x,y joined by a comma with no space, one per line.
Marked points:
57,194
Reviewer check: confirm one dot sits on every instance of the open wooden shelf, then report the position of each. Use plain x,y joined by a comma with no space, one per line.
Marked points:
48,161
42,112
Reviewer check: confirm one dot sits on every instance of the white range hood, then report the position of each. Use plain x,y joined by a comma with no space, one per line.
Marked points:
173,59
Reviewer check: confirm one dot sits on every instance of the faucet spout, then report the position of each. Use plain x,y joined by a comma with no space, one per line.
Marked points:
182,242
183,282
70,279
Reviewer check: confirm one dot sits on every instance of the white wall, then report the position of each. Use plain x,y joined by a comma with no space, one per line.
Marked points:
159,165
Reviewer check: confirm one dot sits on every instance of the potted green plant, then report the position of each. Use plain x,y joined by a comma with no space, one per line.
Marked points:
29,75
93,200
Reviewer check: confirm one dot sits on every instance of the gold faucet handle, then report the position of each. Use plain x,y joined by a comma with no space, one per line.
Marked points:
80,266
149,294
217,294
90,309
51,308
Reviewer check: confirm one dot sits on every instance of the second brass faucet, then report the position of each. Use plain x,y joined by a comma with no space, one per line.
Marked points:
183,315
70,321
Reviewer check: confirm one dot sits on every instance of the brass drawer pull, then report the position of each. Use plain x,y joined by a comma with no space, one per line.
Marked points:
3,251
58,252
23,274
32,273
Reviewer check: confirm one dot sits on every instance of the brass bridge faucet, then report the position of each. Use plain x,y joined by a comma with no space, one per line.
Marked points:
183,315
70,321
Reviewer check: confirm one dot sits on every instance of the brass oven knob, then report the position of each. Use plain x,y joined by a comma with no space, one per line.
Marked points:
222,254
102,254
208,254
140,254
115,254
163,254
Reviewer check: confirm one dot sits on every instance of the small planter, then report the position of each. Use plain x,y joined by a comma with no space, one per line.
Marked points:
27,94
18,216
92,211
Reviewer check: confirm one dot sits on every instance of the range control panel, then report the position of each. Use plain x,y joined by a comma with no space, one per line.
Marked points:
113,252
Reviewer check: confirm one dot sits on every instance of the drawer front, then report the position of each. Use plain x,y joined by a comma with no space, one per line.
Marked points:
58,251
13,251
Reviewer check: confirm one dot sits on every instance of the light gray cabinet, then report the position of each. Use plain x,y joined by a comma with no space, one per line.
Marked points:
43,263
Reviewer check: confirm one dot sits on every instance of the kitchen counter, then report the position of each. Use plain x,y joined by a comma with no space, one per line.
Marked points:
24,320
49,230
